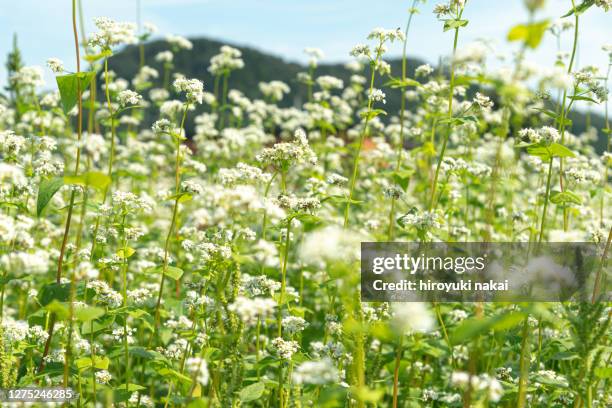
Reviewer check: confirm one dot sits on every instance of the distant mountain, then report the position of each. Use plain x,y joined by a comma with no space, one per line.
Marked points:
260,66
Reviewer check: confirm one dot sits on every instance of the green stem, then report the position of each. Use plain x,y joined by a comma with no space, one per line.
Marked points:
400,145
546,196
565,111
177,175
432,201
362,136
111,158
60,262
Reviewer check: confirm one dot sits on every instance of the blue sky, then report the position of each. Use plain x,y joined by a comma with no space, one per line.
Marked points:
285,27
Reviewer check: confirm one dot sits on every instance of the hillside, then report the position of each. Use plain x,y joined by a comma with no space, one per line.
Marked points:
260,66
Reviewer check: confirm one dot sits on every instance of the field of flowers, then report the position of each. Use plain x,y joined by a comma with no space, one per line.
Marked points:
145,266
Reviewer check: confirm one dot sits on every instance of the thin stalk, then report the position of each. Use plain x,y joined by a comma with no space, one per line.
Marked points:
177,175
432,201
126,355
523,366
565,111
546,197
604,257
60,262
362,136
111,157
398,360
400,145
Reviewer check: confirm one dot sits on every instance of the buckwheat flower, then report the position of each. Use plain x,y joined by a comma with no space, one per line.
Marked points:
412,317
442,10
259,285
275,90
315,55
139,296
179,42
193,89
383,35
163,127
56,65
284,154
158,95
10,143
337,180
329,82
28,76
360,51
127,97
316,372
330,244
229,59
293,324
604,4
377,95
191,187
423,70
549,134
119,334
164,56
111,33
103,377
393,192
14,331
285,348
198,368
252,310
483,101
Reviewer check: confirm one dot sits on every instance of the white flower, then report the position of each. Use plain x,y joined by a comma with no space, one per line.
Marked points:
409,317
127,97
56,65
284,348
103,377
319,372
179,42
483,101
198,367
293,324
111,33
423,70
164,56
377,95
193,89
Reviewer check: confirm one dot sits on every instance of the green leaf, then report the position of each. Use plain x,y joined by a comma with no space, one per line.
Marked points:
88,313
68,86
558,150
372,114
98,362
46,191
60,309
402,83
54,291
93,179
530,34
471,328
128,252
583,98
581,8
131,387
402,178
603,372
168,372
454,23
252,392
565,198
171,271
